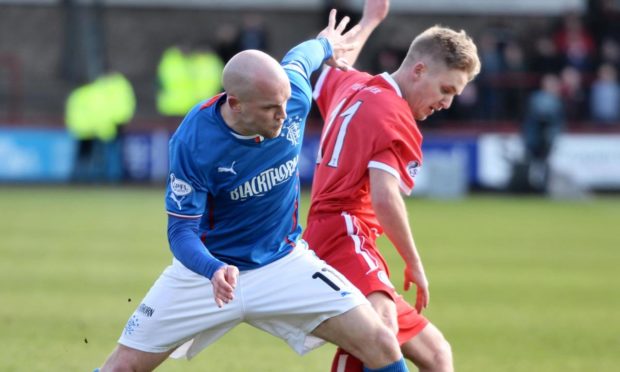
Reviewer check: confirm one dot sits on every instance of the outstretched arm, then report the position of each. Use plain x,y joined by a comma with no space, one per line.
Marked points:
374,13
392,215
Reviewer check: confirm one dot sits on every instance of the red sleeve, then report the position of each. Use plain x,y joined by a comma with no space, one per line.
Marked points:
399,153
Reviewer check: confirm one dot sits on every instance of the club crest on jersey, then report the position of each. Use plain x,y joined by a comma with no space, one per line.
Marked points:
293,132
413,167
180,189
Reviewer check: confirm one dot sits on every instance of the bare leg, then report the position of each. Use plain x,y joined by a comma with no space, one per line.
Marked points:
355,330
344,361
126,359
429,350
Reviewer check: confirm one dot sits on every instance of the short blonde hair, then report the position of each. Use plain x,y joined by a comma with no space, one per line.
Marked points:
455,49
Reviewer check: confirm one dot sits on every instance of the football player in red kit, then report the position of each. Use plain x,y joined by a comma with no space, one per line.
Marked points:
370,151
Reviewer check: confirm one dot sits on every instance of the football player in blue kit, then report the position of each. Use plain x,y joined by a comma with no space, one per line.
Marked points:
232,201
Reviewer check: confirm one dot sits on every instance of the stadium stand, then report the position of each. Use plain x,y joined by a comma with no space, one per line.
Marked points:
579,40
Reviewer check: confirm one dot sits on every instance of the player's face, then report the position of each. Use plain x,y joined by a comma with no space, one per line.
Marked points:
433,89
265,113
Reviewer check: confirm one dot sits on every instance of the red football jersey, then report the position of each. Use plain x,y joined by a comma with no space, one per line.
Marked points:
368,124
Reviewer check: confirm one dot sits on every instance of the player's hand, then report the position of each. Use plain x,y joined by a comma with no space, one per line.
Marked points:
224,281
414,274
341,42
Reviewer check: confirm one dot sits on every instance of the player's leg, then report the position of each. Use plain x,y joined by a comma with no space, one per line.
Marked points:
178,317
385,307
426,348
348,245
429,351
358,328
126,359
304,301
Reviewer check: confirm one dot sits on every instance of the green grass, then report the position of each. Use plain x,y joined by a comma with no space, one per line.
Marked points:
517,284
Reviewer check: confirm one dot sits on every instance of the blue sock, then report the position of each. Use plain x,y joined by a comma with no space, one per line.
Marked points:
398,366
96,370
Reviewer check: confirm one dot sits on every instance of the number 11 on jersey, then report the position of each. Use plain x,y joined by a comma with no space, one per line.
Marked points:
342,131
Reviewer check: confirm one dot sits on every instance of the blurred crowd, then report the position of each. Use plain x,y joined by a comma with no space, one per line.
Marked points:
541,78
581,50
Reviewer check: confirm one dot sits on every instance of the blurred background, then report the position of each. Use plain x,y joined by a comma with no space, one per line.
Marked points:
90,90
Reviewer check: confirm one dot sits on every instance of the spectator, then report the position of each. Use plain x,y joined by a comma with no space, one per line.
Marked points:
543,122
515,82
610,52
545,58
490,57
574,94
175,92
81,119
185,77
98,126
575,43
206,69
605,96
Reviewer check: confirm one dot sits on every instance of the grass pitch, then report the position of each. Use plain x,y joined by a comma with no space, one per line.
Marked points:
517,284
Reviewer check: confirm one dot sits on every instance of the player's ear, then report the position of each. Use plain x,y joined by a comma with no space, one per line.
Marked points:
418,70
234,103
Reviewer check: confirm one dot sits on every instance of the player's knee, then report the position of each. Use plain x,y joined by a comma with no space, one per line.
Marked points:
385,348
386,309
439,358
442,356
389,320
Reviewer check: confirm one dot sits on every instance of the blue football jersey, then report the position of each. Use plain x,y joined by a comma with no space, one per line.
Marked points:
245,190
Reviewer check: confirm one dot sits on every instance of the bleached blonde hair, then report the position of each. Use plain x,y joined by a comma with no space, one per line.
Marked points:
441,44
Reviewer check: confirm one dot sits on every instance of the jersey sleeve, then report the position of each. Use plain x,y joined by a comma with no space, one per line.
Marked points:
186,192
187,247
307,57
399,153
299,63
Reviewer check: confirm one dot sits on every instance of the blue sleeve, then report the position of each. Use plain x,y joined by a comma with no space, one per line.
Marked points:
186,191
187,247
308,56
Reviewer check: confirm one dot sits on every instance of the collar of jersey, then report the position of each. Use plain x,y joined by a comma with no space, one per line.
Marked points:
387,77
255,138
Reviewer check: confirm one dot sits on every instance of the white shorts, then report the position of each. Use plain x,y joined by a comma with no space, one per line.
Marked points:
288,298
